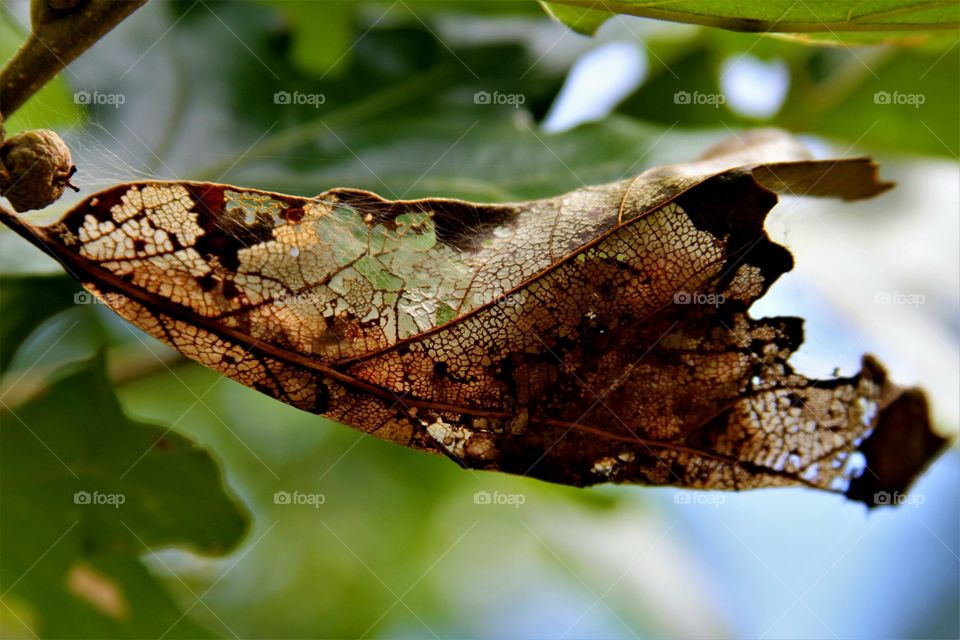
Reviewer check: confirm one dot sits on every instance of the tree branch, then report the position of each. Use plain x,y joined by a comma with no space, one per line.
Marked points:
61,30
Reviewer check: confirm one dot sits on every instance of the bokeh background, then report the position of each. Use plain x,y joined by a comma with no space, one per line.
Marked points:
490,101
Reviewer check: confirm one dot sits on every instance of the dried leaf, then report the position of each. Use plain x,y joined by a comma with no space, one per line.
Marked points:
601,335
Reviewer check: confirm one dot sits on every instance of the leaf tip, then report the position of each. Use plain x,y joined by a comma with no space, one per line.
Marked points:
901,446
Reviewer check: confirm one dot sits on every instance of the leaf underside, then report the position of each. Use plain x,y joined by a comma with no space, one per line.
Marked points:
601,335
848,21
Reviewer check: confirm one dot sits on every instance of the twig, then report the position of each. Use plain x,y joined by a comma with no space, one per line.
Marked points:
60,31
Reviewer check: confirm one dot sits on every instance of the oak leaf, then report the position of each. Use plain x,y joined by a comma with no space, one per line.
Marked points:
601,335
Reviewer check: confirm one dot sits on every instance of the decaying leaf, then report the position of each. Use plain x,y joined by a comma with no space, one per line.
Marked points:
597,336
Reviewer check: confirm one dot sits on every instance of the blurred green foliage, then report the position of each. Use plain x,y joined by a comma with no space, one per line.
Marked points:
399,546
86,491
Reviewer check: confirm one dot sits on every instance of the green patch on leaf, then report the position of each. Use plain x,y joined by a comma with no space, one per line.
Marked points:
375,272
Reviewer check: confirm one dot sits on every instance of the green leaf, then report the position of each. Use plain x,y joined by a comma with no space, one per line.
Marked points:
86,491
52,106
938,40
855,20
580,19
